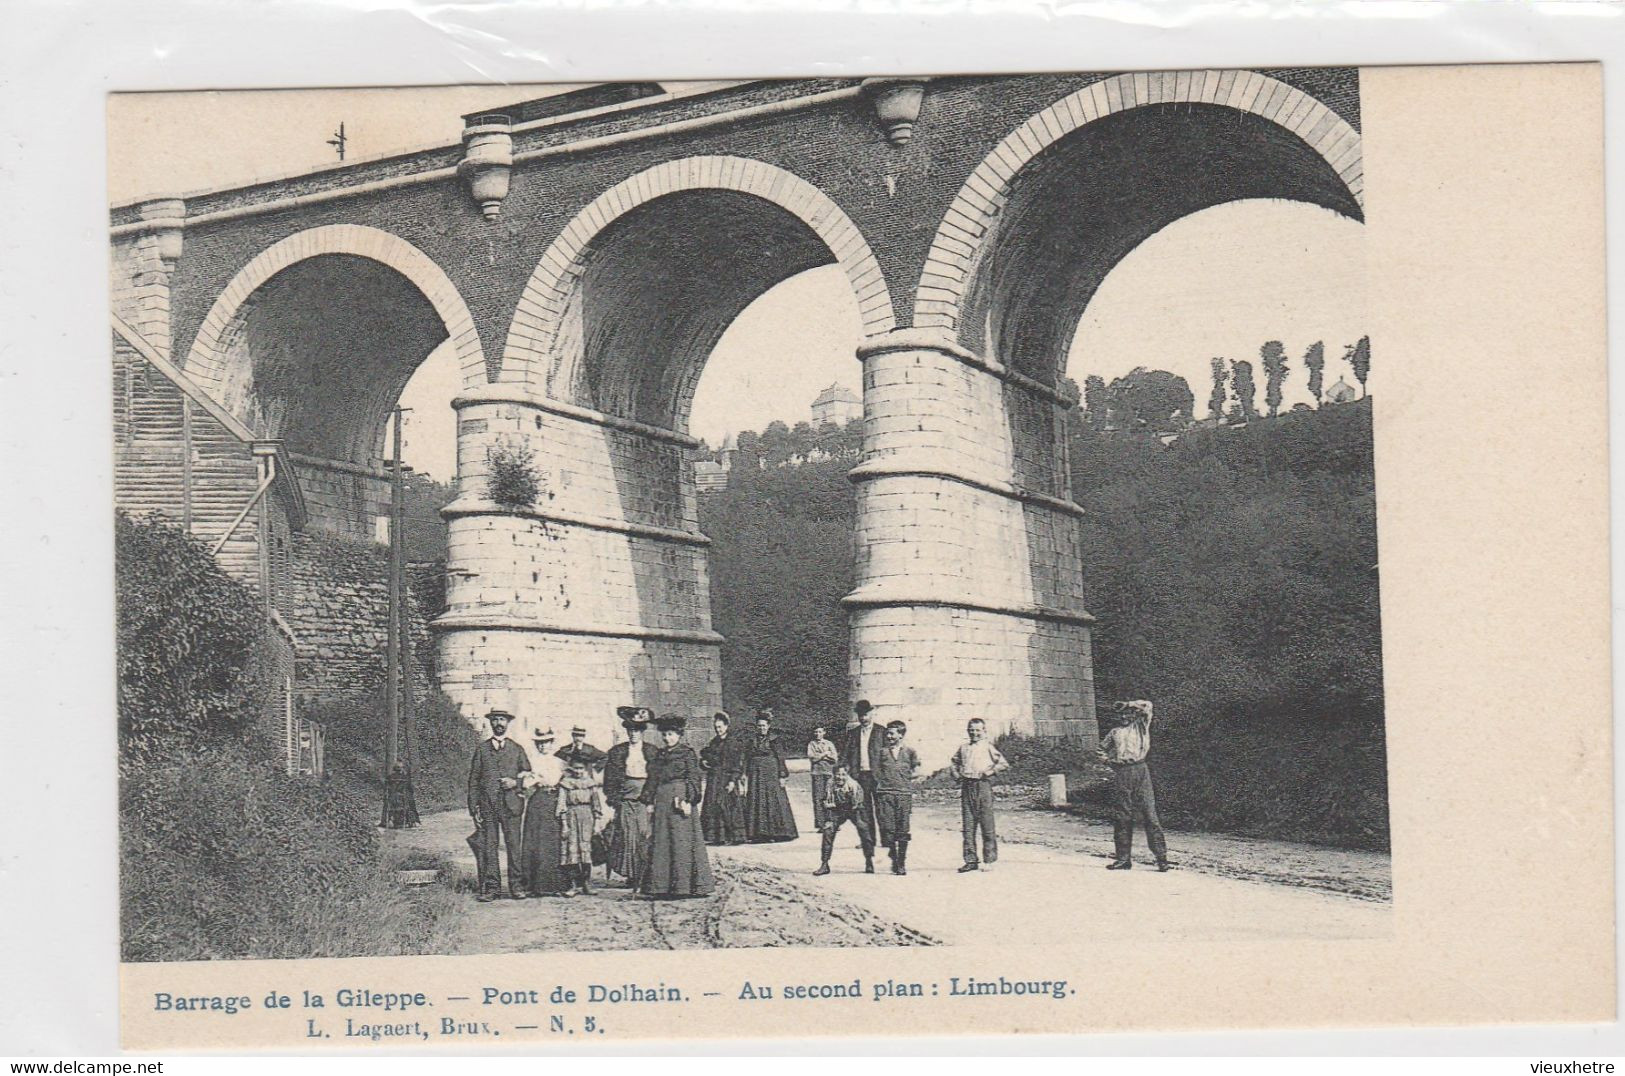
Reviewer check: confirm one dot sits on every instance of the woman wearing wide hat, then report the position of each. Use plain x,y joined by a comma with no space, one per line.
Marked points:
544,877
767,804
626,770
678,866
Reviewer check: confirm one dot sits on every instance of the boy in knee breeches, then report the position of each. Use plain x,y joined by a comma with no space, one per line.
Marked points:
974,765
844,802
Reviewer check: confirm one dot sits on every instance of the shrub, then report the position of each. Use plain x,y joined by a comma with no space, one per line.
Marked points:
186,639
513,480
1032,759
224,857
221,854
442,744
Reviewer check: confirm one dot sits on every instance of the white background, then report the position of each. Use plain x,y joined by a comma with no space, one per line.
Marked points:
58,854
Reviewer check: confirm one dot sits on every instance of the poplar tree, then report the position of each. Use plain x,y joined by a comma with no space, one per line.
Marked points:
1241,378
1314,360
1216,399
1360,359
1273,357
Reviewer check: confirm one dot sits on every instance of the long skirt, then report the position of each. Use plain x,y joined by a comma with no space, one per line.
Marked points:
541,843
629,834
575,835
678,865
722,813
767,805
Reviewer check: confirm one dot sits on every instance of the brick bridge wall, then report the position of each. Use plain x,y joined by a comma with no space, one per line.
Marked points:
968,600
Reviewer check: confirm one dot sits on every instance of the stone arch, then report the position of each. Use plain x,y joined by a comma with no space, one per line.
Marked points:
963,238
537,349
209,360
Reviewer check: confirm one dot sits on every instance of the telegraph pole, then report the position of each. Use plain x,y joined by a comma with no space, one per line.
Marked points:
397,702
403,621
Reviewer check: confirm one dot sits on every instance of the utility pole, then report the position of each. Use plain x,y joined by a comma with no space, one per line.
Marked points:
397,702
339,140
403,630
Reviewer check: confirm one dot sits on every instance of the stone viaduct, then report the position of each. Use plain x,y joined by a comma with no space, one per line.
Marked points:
583,254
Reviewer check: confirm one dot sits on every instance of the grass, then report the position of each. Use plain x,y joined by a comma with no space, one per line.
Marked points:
224,857
1327,786
443,743
1032,760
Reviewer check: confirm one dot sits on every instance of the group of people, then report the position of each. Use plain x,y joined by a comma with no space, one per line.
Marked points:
636,807
647,811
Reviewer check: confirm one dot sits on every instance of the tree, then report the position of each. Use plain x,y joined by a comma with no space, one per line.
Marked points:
1359,357
187,634
1152,400
777,447
1094,401
1216,399
1273,357
802,439
1314,360
1246,392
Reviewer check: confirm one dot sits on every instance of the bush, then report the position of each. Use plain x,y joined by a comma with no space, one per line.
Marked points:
442,745
186,639
224,857
513,481
221,854
1032,760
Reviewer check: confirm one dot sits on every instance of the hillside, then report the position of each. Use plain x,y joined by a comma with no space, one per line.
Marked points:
1234,577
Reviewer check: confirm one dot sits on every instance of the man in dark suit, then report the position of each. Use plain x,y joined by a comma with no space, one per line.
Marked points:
579,750
860,750
497,807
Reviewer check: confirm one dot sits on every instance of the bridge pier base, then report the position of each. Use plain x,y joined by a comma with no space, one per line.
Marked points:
593,597
968,600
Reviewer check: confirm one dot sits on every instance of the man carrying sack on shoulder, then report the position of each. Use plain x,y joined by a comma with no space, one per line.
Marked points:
1125,749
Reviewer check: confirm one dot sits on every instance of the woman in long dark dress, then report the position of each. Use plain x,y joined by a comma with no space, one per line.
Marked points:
544,876
722,815
767,804
626,770
678,865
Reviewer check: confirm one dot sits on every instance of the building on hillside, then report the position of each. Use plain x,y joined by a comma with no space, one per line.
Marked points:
181,458
712,475
1341,392
836,405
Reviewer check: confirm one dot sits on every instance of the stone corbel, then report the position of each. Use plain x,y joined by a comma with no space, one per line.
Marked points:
487,163
165,220
896,102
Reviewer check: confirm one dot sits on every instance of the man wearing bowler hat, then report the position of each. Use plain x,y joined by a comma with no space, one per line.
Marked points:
495,802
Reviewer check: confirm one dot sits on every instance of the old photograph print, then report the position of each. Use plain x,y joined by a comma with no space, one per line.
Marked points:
812,513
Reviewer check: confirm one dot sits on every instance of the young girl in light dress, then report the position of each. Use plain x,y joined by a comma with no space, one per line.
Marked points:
581,806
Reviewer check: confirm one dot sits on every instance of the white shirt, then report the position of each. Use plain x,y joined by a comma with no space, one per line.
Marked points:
546,771
1131,742
635,764
864,732
977,760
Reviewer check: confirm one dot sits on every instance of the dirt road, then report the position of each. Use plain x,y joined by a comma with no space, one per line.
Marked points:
1050,876
753,905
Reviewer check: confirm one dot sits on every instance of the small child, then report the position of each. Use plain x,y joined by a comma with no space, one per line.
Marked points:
843,802
973,766
581,805
895,767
